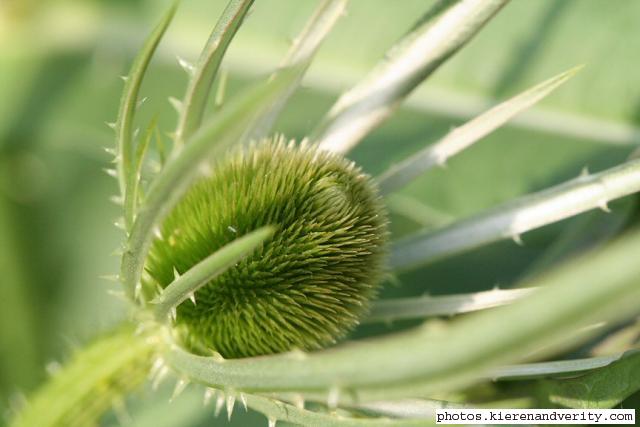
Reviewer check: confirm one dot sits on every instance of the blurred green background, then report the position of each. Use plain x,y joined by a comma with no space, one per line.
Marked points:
59,67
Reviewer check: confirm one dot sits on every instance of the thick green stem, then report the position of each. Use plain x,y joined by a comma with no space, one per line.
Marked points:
97,377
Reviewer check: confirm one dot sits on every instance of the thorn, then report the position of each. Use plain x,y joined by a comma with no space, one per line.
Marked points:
136,132
333,397
160,376
231,400
17,402
111,172
119,223
297,354
53,368
158,363
117,252
272,422
298,401
110,150
121,412
176,104
140,329
517,239
117,200
137,291
111,125
173,314
219,403
192,298
142,101
186,65
206,170
118,294
603,205
441,161
208,395
124,78
232,229
584,172
110,277
172,136
293,40
157,233
181,384
243,399
217,357
155,166
176,275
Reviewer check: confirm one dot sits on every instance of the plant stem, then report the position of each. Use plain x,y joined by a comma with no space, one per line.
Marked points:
97,377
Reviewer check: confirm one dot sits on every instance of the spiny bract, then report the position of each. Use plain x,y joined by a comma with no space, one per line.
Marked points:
305,287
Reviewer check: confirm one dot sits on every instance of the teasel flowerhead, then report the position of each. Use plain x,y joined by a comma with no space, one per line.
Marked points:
304,288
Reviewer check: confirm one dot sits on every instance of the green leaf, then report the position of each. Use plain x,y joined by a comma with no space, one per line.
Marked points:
464,136
188,283
447,305
126,114
603,388
204,73
554,368
440,33
516,217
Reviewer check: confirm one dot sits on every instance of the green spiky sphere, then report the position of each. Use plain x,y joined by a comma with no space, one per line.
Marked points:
304,288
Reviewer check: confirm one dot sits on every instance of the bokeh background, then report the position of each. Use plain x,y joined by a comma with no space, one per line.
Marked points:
59,67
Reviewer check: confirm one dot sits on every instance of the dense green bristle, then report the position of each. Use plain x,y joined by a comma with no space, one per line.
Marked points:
304,288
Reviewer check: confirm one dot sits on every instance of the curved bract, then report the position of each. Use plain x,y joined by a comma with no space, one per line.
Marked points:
305,287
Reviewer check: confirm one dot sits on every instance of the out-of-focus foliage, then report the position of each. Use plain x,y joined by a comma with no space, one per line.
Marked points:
59,62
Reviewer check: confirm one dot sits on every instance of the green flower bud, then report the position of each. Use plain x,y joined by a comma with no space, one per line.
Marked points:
304,288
